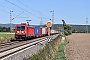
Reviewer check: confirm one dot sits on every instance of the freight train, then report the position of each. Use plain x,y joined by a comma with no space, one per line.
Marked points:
24,31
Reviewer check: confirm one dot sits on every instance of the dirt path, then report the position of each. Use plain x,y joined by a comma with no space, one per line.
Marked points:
78,47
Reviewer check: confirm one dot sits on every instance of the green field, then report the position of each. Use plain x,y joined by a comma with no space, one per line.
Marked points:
6,34
5,37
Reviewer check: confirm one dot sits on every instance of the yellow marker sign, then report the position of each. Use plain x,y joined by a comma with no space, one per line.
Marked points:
49,24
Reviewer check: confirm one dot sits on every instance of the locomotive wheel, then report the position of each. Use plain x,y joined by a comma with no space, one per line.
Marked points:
25,38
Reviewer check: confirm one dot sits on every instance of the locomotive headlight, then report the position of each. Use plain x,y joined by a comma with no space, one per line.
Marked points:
17,31
22,31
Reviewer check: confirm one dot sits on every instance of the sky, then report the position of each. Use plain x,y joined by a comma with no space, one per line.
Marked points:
72,11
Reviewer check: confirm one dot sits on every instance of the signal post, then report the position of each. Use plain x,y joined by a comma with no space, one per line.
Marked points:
49,24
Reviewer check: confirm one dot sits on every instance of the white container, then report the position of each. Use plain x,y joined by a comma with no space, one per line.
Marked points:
52,31
43,30
57,32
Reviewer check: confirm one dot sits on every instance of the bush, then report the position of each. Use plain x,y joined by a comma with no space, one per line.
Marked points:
69,32
66,33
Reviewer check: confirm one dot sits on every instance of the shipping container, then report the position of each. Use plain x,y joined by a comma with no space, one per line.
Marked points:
37,30
40,31
57,32
40,34
52,31
44,31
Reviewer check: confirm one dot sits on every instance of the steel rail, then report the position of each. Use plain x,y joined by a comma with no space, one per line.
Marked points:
18,48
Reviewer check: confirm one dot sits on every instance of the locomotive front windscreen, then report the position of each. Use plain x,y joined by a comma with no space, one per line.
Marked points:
21,28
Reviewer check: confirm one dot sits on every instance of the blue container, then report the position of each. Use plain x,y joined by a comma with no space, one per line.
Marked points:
37,30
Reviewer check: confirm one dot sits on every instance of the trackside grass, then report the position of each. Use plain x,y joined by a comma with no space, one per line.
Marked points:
60,53
48,52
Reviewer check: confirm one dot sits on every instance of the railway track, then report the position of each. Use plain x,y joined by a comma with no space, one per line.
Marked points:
11,48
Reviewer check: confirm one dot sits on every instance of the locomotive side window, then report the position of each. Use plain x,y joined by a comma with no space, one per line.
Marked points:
20,27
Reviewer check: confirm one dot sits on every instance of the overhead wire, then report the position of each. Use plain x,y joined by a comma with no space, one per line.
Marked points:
10,8
34,10
7,12
27,6
17,15
14,14
4,11
22,8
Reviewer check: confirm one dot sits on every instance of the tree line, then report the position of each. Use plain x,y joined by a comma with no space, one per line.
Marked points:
4,29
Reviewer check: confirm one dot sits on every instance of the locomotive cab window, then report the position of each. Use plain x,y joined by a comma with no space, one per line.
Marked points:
20,27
